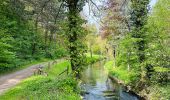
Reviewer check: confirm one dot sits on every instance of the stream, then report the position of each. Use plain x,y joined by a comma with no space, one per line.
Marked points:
97,86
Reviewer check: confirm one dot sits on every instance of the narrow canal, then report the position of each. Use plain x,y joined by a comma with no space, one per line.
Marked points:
97,86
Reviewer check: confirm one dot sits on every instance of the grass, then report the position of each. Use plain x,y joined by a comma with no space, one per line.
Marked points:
109,65
94,58
157,92
51,87
58,68
122,74
45,87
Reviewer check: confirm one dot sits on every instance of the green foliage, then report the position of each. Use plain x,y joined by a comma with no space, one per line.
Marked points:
157,32
139,10
158,35
127,53
143,55
21,41
7,57
75,34
138,21
55,51
158,92
130,55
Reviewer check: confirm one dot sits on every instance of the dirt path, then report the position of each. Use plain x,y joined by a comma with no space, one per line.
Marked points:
12,79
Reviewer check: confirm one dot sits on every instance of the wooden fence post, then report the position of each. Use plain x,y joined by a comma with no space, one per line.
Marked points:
49,65
67,70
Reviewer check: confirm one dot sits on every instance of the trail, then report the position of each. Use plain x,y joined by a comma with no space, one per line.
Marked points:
10,80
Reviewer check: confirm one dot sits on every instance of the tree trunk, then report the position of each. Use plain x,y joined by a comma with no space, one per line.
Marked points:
46,35
73,13
34,42
51,37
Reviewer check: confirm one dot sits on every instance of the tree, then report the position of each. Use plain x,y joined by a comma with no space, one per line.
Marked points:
91,37
116,26
138,20
25,22
115,21
75,34
7,57
157,32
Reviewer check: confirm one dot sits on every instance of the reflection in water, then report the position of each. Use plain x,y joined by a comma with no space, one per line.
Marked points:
97,86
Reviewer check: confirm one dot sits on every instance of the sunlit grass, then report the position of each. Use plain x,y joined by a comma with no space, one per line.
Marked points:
121,73
94,58
56,69
51,87
44,88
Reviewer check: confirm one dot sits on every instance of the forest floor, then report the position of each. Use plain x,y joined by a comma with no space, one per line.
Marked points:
10,80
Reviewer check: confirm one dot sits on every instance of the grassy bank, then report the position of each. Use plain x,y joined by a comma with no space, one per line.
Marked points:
122,74
51,87
152,92
93,59
157,92
44,88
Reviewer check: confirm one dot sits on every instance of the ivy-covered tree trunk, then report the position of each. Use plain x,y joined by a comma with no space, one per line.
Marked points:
75,35
73,14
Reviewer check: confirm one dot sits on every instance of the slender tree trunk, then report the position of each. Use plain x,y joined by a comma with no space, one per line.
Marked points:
51,37
46,35
34,42
46,40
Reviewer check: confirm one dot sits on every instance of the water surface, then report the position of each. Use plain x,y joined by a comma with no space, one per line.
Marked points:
97,86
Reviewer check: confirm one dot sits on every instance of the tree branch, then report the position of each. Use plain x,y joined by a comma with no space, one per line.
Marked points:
58,12
94,4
